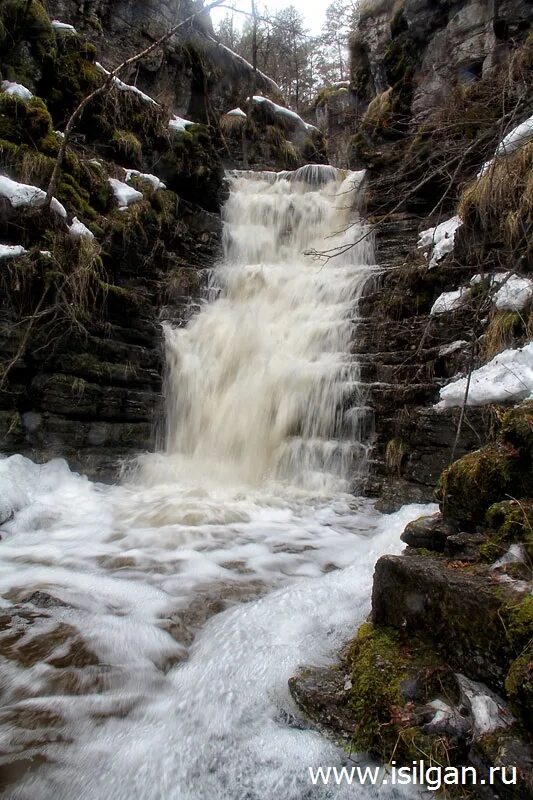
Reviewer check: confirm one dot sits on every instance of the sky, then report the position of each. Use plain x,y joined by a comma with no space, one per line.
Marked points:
312,10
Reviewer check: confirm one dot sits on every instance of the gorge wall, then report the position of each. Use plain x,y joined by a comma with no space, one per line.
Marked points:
434,88
82,305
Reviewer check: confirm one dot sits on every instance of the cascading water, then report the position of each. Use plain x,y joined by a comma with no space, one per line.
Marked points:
258,382
148,630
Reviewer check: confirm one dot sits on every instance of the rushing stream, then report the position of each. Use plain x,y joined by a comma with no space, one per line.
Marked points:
148,629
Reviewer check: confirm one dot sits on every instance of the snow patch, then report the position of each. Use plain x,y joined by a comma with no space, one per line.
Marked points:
440,239
22,194
236,112
515,294
11,251
284,112
514,555
489,712
179,123
62,26
516,138
153,179
125,195
126,87
453,347
17,90
448,301
78,230
508,377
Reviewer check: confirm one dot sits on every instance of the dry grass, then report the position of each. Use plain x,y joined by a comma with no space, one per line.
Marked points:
394,455
500,203
370,8
377,116
503,330
232,125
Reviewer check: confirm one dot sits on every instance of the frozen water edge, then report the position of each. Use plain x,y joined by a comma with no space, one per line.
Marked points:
125,560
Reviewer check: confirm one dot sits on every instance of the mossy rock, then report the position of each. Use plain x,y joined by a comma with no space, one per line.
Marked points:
509,522
27,22
127,148
24,121
519,623
382,666
517,429
519,686
69,79
470,485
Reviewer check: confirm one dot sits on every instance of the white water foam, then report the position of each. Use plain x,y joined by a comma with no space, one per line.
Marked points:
148,630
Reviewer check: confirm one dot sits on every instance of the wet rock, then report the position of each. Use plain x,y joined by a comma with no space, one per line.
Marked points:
505,749
323,693
465,546
489,712
430,533
461,613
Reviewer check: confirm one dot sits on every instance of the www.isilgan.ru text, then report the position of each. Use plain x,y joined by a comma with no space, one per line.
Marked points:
430,777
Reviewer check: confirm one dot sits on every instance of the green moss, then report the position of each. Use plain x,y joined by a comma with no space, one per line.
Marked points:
519,686
519,623
68,80
473,483
517,428
127,147
380,665
27,23
509,521
24,121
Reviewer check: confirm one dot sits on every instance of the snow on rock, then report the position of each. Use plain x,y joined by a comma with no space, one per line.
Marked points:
453,347
153,179
22,194
448,301
515,294
126,87
11,250
62,26
516,138
58,208
440,239
489,712
490,277
507,378
519,136
236,112
16,89
124,194
516,554
247,63
179,124
284,112
78,230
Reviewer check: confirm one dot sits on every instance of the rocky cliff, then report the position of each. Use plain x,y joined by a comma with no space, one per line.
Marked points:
434,88
86,284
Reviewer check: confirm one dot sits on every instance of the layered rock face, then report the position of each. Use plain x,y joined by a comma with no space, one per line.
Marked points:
427,86
445,44
86,287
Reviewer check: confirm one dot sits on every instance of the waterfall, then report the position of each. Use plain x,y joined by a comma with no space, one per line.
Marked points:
261,384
